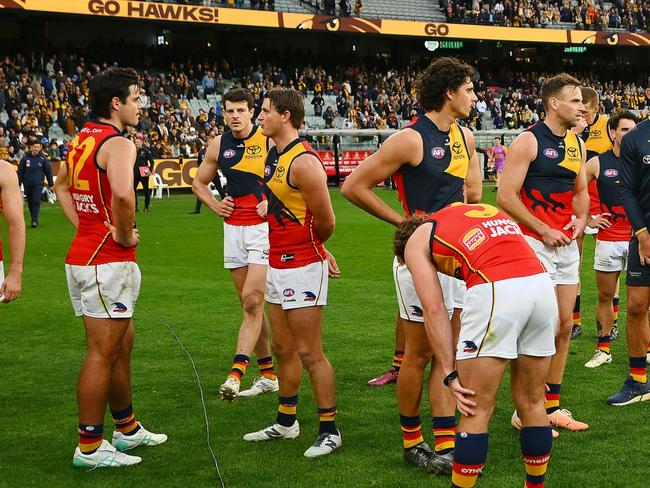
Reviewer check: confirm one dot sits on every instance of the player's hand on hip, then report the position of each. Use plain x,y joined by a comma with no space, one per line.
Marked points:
332,266
10,288
262,208
130,240
600,221
463,398
556,238
225,207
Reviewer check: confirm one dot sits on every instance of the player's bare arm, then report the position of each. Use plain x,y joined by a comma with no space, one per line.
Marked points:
404,147
522,152
62,189
580,198
436,320
600,221
473,181
117,156
12,208
308,176
204,176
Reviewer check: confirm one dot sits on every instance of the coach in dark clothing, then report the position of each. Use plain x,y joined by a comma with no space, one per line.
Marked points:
141,170
32,171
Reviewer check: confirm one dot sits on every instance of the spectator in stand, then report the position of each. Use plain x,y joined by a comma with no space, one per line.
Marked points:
329,117
318,103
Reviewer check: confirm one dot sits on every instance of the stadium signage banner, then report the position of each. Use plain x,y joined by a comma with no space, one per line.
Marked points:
177,173
282,20
347,162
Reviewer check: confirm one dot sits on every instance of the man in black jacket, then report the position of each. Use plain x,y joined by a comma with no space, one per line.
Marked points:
34,168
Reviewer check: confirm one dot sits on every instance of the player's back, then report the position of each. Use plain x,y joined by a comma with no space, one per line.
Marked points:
479,243
91,195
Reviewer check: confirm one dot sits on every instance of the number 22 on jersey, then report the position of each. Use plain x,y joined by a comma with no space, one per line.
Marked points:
77,158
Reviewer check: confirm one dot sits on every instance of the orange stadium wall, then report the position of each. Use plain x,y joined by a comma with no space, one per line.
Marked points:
131,9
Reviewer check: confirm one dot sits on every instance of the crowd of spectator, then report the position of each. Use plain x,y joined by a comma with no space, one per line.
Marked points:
630,15
46,97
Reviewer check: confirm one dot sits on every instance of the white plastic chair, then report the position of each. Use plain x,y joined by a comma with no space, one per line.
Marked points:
158,187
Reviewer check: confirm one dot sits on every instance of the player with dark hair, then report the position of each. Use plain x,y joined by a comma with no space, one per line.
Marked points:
434,163
614,232
301,219
543,186
95,188
509,316
241,155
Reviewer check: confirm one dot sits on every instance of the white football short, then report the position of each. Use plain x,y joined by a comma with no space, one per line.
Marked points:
245,244
611,256
562,263
507,318
410,308
298,287
104,291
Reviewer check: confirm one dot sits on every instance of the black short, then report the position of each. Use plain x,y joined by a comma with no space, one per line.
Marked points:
637,275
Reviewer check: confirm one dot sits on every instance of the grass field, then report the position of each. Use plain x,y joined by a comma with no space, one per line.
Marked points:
185,284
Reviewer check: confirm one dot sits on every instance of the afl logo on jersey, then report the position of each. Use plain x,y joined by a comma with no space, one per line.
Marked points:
267,171
551,153
253,150
611,173
438,152
229,153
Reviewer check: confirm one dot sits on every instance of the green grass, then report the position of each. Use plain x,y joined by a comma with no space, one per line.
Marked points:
185,284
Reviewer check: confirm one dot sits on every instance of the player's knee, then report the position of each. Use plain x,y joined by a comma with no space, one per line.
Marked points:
280,351
309,358
605,296
418,359
252,303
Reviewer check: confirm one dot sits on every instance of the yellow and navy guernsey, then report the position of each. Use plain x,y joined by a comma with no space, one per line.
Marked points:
547,191
293,241
597,141
242,163
596,137
439,178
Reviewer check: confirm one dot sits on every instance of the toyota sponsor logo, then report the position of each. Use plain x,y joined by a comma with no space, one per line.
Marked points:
646,159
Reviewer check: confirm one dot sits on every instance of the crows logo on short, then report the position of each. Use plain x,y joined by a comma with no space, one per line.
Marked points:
416,311
469,346
310,296
119,307
547,191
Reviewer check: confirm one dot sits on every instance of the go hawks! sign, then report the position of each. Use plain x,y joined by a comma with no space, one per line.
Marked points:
166,12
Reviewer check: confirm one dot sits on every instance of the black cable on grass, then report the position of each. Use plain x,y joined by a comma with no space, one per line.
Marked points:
198,382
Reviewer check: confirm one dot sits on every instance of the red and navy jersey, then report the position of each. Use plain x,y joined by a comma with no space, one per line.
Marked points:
91,196
609,182
479,243
597,141
547,191
439,178
242,163
293,242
